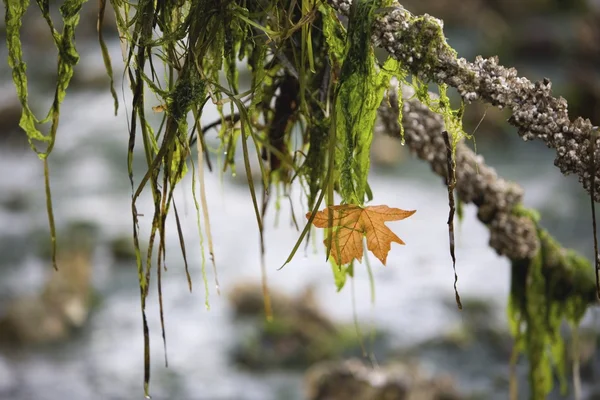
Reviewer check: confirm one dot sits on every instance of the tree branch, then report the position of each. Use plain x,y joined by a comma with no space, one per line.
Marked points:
512,235
418,42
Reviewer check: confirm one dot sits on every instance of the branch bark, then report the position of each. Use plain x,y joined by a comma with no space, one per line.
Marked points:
418,42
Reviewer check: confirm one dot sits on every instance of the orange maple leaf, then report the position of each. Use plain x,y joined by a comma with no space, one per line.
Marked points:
351,222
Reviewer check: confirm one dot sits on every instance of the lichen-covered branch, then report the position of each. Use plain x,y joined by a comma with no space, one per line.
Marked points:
549,284
419,44
511,235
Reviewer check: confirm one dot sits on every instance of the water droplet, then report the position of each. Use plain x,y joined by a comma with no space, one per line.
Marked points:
225,152
148,397
233,174
402,142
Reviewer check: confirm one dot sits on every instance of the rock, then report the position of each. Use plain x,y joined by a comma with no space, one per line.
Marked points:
299,334
479,323
386,151
10,115
351,379
15,201
122,248
477,350
62,306
77,235
29,321
478,337
69,289
247,300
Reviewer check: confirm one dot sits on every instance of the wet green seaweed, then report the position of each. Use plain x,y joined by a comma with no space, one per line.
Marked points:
553,287
67,58
358,96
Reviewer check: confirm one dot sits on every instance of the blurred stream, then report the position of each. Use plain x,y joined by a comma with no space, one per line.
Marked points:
105,359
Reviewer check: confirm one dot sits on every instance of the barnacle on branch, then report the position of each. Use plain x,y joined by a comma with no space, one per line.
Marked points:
419,44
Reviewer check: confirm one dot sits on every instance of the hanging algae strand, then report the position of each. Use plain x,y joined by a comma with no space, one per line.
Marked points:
539,303
358,96
211,251
67,58
357,100
451,183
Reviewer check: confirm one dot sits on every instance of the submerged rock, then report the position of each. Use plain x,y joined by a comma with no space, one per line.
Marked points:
477,350
299,334
122,248
77,235
352,379
15,201
62,306
10,115
247,301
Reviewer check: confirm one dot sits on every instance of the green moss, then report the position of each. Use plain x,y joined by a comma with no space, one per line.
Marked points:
297,344
522,211
357,99
555,286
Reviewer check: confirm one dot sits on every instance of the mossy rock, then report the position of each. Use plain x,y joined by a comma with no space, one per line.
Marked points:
286,343
122,248
15,202
76,235
352,379
10,133
62,307
299,334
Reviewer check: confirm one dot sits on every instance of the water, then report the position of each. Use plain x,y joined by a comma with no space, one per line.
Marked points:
105,359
